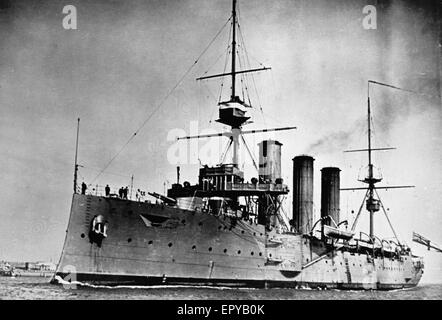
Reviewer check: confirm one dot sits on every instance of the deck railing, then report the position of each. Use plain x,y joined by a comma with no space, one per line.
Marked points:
258,186
100,191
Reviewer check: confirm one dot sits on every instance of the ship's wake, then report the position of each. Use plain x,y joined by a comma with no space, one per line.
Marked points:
61,281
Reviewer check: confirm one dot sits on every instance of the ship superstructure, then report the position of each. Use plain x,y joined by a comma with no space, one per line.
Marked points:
230,230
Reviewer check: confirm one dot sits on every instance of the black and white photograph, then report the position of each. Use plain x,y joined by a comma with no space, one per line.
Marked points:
220,150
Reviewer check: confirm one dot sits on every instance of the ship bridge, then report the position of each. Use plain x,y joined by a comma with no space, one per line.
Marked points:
226,180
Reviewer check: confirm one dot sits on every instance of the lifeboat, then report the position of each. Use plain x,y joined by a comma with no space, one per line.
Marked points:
332,232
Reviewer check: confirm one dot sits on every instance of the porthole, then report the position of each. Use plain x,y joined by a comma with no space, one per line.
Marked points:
225,250
260,254
83,235
183,221
210,248
242,231
150,242
252,253
129,240
270,255
170,244
260,234
200,223
239,251
194,247
254,233
220,227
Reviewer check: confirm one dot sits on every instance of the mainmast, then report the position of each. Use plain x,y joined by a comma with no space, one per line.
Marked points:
370,179
373,204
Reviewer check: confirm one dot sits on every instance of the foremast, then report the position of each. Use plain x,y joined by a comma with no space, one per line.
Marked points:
232,96
225,182
231,111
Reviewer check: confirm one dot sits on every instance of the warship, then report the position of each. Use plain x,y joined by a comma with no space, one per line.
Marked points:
226,230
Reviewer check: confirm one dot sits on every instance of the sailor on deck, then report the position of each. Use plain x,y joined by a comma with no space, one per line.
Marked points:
83,188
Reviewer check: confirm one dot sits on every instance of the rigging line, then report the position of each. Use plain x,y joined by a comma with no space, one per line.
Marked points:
223,156
384,142
222,78
355,221
253,78
211,116
162,101
250,153
247,65
247,53
245,48
401,89
244,76
225,62
386,215
210,91
109,173
216,60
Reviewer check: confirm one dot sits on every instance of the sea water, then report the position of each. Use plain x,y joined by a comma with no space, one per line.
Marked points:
26,288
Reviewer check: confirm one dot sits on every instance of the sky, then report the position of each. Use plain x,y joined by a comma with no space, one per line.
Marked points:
117,69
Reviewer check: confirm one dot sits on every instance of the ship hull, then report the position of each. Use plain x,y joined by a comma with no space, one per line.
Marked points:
154,244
